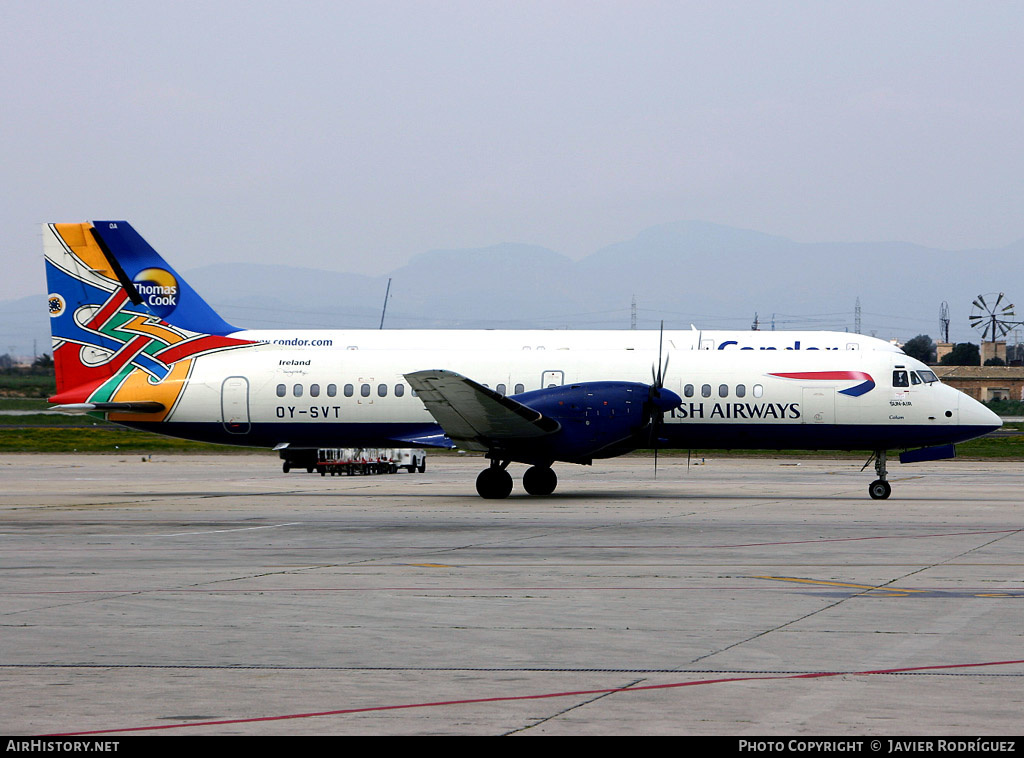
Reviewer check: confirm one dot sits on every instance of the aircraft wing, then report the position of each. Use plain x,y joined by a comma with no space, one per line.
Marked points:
473,416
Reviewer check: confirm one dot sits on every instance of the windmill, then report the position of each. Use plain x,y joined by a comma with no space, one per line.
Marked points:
993,317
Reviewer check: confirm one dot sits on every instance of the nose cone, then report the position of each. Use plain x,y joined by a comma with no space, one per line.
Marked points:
665,400
975,415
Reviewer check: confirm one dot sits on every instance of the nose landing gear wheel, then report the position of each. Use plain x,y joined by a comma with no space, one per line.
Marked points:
540,480
494,483
879,489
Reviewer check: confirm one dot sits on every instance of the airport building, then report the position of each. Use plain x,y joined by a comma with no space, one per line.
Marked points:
985,383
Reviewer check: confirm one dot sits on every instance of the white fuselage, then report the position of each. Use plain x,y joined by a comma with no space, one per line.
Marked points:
266,395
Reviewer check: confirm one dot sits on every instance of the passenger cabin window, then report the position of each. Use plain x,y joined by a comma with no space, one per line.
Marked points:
349,390
741,390
364,390
520,388
500,389
758,390
314,390
723,390
900,379
705,390
281,390
688,390
297,390
399,390
332,390
382,390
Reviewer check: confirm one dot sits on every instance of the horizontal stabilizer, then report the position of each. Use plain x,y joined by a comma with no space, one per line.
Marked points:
476,417
138,407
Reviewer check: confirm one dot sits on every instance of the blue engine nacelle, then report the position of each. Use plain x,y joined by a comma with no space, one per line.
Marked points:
597,420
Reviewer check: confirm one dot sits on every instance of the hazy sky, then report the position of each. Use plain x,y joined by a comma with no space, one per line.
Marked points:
353,135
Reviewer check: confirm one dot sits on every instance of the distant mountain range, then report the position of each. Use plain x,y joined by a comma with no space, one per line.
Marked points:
687,272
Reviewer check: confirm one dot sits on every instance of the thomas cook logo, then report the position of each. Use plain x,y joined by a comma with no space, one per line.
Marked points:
159,290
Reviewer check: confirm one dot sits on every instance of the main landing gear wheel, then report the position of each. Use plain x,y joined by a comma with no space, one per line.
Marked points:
540,480
880,489
494,483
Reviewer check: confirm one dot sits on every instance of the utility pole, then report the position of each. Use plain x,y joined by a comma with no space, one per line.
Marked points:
632,315
856,317
385,308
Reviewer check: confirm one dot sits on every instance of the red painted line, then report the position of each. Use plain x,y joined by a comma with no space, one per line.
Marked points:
543,696
826,375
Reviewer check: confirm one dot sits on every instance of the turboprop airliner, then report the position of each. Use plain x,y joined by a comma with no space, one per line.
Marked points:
115,355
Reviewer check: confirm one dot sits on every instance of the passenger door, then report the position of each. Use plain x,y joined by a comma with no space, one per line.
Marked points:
234,404
819,405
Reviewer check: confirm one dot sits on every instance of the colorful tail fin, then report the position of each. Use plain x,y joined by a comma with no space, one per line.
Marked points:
106,342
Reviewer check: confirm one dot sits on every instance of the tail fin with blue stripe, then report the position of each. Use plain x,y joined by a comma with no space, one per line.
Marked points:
156,284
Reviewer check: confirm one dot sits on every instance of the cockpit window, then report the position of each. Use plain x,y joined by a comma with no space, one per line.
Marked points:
914,378
899,378
928,376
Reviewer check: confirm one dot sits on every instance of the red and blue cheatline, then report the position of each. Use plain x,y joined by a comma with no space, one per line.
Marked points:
866,382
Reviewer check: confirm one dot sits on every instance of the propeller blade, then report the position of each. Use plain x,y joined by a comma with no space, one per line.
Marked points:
659,399
659,377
